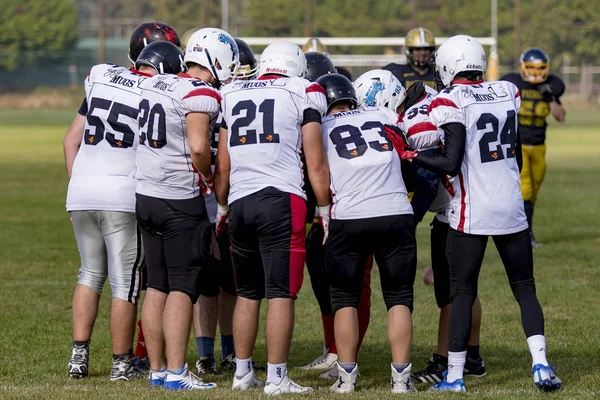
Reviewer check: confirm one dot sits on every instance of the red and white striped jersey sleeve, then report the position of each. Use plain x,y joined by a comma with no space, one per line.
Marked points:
315,97
200,97
445,109
421,132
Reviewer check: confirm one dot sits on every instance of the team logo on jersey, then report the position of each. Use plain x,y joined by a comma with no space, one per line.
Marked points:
370,97
198,48
223,38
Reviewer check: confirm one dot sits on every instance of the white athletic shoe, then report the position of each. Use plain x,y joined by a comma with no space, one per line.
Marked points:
346,381
401,382
332,373
325,361
248,381
186,381
286,386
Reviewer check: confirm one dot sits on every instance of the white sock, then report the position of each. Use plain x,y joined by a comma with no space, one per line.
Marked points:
243,367
276,372
537,348
456,365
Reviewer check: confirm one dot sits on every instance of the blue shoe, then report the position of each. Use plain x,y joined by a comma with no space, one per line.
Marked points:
544,378
445,386
186,381
157,378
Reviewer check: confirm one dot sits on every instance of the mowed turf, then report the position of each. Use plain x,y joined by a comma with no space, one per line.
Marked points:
39,263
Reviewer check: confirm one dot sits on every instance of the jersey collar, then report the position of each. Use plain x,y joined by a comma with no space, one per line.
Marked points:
185,75
465,82
135,71
269,76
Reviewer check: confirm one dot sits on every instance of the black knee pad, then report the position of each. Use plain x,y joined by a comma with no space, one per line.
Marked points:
404,297
523,288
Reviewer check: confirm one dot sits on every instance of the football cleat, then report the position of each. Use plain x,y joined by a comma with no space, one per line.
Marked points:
445,386
475,367
157,378
228,363
346,381
325,361
79,362
124,368
433,373
186,381
534,243
207,366
544,378
401,382
248,381
285,386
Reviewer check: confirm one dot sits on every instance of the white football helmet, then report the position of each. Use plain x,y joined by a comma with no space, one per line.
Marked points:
379,87
215,50
282,58
458,54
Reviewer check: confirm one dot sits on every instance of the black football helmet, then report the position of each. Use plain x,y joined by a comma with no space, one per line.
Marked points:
535,65
317,65
149,32
164,57
338,88
248,65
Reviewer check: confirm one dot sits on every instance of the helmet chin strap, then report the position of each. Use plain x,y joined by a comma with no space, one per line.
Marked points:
212,67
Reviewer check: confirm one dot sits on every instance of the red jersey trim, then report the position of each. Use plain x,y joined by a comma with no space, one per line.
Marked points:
437,102
463,204
421,127
184,75
315,87
203,92
135,71
518,94
465,82
269,76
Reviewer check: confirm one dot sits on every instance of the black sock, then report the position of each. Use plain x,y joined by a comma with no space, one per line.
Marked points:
473,352
529,213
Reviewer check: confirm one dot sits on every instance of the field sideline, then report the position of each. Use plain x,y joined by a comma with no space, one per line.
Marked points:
39,262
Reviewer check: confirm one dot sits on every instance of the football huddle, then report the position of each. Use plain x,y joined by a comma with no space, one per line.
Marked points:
202,181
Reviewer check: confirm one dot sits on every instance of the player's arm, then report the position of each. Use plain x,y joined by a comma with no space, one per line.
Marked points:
74,136
222,168
552,97
447,163
316,161
558,111
197,129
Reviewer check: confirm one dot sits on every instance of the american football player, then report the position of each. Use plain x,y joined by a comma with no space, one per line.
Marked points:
265,122
419,45
482,153
315,45
540,96
101,201
370,216
173,169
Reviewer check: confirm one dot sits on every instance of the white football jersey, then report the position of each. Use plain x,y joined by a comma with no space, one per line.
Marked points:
102,175
210,200
421,133
487,198
264,118
164,167
366,179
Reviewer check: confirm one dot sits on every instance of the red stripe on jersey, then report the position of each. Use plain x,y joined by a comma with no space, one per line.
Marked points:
315,87
421,127
184,75
463,205
437,102
518,94
466,82
135,71
269,76
297,244
400,119
204,92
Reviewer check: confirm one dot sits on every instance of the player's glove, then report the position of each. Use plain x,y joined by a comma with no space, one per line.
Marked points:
547,93
222,214
398,139
207,185
324,219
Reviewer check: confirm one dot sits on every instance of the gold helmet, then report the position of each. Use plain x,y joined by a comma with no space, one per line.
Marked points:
187,35
419,38
314,44
535,65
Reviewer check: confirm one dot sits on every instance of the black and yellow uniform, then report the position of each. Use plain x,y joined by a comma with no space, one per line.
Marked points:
408,75
532,129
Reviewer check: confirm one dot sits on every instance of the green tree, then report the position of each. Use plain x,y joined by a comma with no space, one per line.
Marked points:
33,26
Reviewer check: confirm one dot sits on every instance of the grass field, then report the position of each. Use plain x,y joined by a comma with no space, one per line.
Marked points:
39,263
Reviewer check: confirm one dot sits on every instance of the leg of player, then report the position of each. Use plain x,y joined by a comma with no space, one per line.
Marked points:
516,254
245,330
465,256
226,307
152,316
92,275
206,312
538,172
527,187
